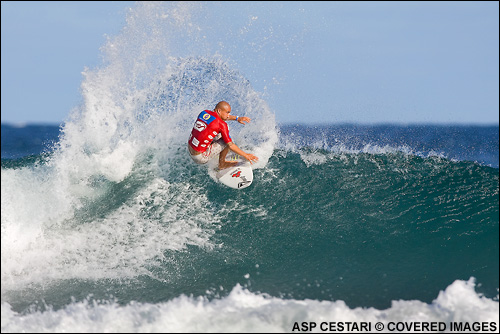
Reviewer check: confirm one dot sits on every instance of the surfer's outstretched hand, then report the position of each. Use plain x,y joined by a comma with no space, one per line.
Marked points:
244,119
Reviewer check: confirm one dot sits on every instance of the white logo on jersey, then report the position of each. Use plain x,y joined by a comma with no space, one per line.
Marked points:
200,126
195,142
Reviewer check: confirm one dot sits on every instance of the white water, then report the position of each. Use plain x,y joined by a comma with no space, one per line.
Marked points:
243,311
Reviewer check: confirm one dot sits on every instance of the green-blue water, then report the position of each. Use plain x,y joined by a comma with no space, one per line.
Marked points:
365,228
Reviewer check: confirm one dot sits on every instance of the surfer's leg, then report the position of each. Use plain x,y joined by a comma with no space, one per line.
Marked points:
222,159
200,159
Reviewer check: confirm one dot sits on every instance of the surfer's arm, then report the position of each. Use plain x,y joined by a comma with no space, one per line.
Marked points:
242,119
250,157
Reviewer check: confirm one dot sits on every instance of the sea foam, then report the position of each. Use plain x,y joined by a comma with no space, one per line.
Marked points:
244,311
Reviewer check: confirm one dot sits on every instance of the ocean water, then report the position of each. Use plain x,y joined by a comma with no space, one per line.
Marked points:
108,226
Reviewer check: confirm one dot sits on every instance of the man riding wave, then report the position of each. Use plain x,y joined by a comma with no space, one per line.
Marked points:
210,136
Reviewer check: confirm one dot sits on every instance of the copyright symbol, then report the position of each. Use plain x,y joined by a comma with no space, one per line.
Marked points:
379,326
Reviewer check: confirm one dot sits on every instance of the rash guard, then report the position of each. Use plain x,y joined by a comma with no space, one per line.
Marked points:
207,126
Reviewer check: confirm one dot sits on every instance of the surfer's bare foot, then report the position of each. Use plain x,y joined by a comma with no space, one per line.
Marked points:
227,164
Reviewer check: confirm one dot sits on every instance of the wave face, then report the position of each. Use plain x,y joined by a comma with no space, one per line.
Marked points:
115,221
365,228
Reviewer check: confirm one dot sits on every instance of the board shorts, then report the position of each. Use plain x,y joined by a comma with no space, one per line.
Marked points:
212,150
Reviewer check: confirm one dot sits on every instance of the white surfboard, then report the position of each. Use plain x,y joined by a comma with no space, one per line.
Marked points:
239,176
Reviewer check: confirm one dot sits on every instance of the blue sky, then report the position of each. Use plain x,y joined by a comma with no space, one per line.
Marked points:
336,62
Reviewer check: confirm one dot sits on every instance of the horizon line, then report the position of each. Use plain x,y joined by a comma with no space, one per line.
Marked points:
345,123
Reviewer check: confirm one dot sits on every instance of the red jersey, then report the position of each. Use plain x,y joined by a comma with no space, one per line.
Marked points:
206,128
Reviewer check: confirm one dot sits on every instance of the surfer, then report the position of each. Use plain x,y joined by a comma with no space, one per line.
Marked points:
210,136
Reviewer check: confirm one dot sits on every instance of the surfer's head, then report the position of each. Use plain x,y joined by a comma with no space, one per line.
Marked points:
223,109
